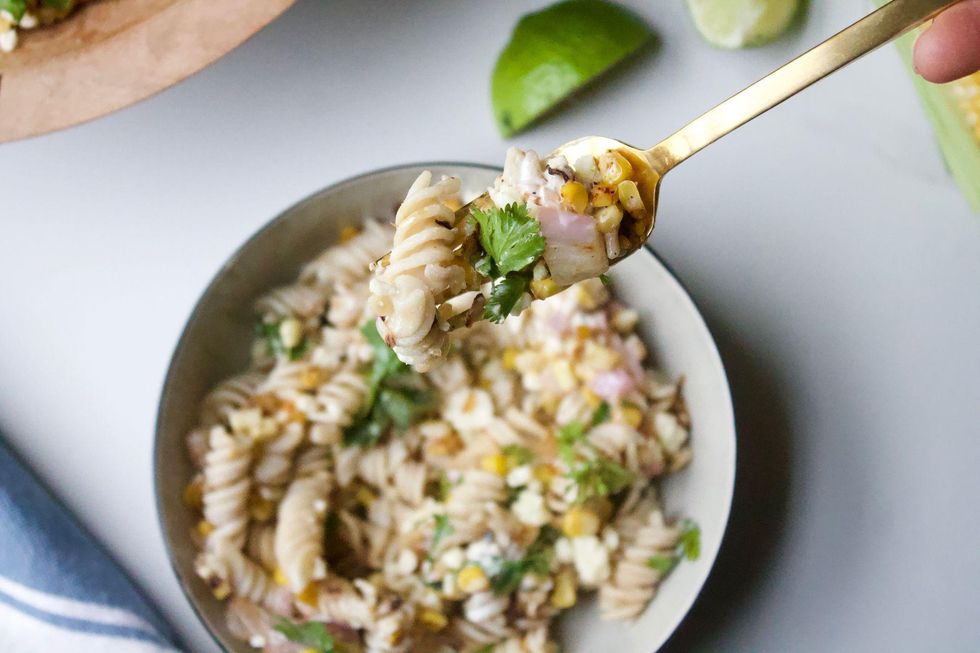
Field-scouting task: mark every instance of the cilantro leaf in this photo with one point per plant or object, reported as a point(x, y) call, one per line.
point(662, 563)
point(405, 406)
point(599, 477)
point(520, 455)
point(568, 436)
point(385, 361)
point(313, 634)
point(16, 8)
point(604, 278)
point(537, 560)
point(509, 236)
point(601, 414)
point(690, 542)
point(443, 529)
point(504, 296)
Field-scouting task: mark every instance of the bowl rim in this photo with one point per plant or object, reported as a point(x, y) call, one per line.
point(281, 215)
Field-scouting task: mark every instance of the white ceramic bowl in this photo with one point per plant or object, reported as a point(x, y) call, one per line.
point(215, 344)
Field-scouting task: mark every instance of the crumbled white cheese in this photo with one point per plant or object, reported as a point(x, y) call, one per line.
point(8, 40)
point(520, 476)
point(672, 434)
point(591, 560)
point(291, 332)
point(453, 558)
point(407, 562)
point(530, 508)
point(610, 538)
point(484, 552)
point(563, 550)
point(28, 20)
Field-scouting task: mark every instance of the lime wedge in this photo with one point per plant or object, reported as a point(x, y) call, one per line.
point(734, 24)
point(555, 51)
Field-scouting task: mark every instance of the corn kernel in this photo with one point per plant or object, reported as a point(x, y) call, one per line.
point(194, 493)
point(204, 527)
point(579, 521)
point(608, 219)
point(545, 473)
point(495, 464)
point(309, 650)
point(509, 359)
point(472, 579)
point(592, 399)
point(632, 416)
point(582, 332)
point(444, 446)
point(574, 196)
point(280, 578)
point(434, 621)
point(566, 589)
point(600, 358)
point(221, 590)
point(365, 496)
point(311, 378)
point(544, 288)
point(261, 509)
point(348, 233)
point(629, 197)
point(602, 195)
point(309, 595)
point(614, 168)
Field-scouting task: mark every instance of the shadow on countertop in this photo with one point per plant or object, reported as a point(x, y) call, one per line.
point(760, 506)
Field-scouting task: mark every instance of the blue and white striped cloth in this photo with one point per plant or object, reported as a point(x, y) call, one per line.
point(59, 590)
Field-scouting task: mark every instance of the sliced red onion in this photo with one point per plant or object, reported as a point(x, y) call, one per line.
point(574, 248)
point(613, 385)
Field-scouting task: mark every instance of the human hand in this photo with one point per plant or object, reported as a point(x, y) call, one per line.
point(950, 48)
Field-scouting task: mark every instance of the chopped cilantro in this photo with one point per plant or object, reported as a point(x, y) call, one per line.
point(662, 563)
point(312, 634)
point(16, 8)
point(568, 436)
point(601, 414)
point(510, 237)
point(485, 649)
point(604, 278)
point(504, 296)
point(537, 560)
point(690, 542)
point(599, 477)
point(395, 397)
point(443, 529)
point(520, 455)
point(269, 331)
point(688, 546)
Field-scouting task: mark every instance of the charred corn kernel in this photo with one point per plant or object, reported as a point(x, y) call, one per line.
point(309, 595)
point(280, 578)
point(579, 521)
point(194, 493)
point(632, 416)
point(566, 589)
point(347, 233)
point(495, 464)
point(290, 332)
point(574, 196)
point(545, 473)
point(592, 399)
point(608, 218)
point(544, 288)
point(472, 579)
point(509, 359)
point(444, 446)
point(629, 197)
point(311, 378)
point(204, 527)
point(434, 621)
point(614, 168)
point(582, 332)
point(261, 509)
point(365, 496)
point(221, 590)
point(602, 195)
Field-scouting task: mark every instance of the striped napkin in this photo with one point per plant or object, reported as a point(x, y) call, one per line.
point(59, 590)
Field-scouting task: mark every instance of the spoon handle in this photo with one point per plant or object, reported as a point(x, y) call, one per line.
point(887, 23)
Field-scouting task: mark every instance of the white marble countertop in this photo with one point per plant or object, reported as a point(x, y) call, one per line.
point(837, 265)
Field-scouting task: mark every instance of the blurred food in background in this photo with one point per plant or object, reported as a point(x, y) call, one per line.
point(732, 24)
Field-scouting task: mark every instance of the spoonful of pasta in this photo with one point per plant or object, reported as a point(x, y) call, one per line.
point(548, 223)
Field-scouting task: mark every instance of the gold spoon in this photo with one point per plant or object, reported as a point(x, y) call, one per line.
point(649, 166)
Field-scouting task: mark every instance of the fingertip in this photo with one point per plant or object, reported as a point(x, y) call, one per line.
point(950, 47)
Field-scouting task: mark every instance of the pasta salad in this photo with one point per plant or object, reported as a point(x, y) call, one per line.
point(348, 503)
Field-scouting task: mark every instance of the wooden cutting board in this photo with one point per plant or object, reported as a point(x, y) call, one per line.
point(113, 53)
